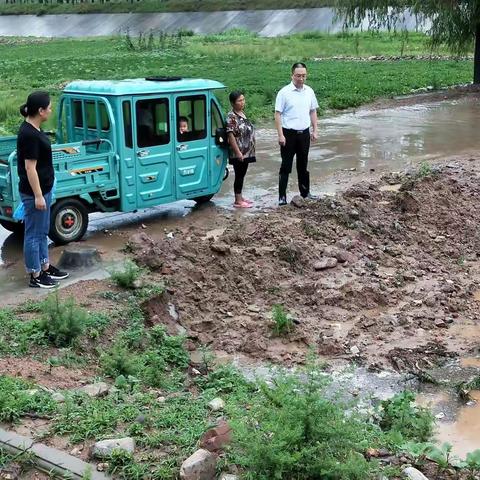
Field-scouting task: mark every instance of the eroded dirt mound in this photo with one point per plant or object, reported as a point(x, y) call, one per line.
point(383, 265)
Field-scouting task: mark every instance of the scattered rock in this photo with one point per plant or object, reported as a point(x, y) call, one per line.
point(414, 474)
point(354, 350)
point(58, 397)
point(220, 247)
point(325, 263)
point(199, 466)
point(161, 399)
point(99, 389)
point(216, 438)
point(298, 201)
point(216, 404)
point(104, 448)
point(102, 467)
point(228, 476)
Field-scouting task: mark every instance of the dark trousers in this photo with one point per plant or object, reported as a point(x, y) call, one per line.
point(240, 169)
point(296, 144)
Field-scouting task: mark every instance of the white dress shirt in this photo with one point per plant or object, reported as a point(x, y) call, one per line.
point(295, 105)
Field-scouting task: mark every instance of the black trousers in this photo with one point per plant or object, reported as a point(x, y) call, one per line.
point(240, 169)
point(297, 143)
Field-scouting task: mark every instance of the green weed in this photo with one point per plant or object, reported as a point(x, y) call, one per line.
point(126, 276)
point(425, 170)
point(283, 324)
point(400, 414)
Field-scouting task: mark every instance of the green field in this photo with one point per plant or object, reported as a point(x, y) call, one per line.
point(259, 66)
point(143, 6)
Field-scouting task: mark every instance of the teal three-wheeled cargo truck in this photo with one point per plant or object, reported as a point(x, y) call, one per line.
point(119, 147)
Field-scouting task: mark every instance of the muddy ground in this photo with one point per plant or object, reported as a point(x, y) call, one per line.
point(388, 266)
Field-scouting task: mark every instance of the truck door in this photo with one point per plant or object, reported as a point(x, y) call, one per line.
point(192, 172)
point(153, 151)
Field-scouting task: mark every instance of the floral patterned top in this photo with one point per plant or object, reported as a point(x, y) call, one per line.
point(244, 133)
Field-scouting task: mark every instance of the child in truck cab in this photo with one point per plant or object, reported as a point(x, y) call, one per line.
point(36, 175)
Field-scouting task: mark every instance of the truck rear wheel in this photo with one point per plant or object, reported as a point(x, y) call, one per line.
point(16, 227)
point(204, 198)
point(68, 222)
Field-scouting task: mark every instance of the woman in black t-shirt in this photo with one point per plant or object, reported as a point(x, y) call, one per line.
point(36, 174)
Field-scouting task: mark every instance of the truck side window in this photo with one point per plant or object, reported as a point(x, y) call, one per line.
point(127, 123)
point(216, 117)
point(91, 116)
point(152, 122)
point(77, 113)
point(191, 118)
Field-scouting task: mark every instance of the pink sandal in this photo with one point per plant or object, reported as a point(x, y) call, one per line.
point(242, 205)
point(248, 201)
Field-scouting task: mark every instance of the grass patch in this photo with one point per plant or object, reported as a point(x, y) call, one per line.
point(17, 336)
point(230, 58)
point(126, 276)
point(18, 398)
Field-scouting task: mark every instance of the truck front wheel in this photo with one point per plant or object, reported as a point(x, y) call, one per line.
point(16, 227)
point(68, 222)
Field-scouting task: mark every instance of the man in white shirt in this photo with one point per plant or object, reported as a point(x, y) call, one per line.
point(295, 111)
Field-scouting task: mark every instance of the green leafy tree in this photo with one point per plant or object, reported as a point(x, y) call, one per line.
point(454, 23)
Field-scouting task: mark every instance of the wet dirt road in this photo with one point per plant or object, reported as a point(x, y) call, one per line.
point(357, 142)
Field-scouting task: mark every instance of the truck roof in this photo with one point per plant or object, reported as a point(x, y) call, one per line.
point(138, 86)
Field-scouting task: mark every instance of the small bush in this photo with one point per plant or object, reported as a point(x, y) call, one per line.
point(400, 414)
point(62, 322)
point(294, 431)
point(119, 360)
point(283, 324)
point(425, 170)
point(126, 277)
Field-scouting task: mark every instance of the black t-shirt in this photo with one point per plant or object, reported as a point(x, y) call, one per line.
point(33, 144)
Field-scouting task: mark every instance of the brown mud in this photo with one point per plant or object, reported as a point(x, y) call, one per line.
point(372, 274)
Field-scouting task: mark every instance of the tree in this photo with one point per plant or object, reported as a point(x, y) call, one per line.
point(454, 23)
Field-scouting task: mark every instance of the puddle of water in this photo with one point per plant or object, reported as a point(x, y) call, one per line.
point(464, 433)
point(470, 362)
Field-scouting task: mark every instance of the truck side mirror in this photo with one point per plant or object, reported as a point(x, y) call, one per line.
point(221, 137)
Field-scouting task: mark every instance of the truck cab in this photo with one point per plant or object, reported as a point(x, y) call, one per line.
point(126, 145)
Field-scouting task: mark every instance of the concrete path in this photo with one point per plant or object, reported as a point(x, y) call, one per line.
point(49, 459)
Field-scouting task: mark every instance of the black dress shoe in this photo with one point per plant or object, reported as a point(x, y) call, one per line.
point(282, 201)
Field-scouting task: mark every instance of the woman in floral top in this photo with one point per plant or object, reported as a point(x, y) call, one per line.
point(241, 138)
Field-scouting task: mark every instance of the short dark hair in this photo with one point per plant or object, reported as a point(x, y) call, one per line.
point(298, 65)
point(35, 101)
point(234, 96)
point(183, 119)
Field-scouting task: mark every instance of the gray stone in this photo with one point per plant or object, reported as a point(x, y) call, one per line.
point(228, 476)
point(104, 448)
point(199, 466)
point(220, 247)
point(414, 474)
point(298, 201)
point(453, 375)
point(94, 390)
point(216, 404)
point(58, 397)
point(325, 263)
